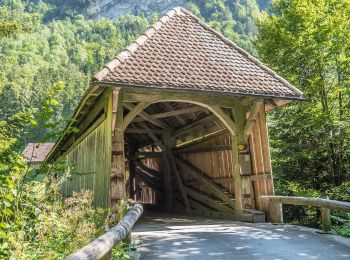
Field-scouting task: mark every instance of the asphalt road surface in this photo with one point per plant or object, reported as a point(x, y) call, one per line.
point(165, 236)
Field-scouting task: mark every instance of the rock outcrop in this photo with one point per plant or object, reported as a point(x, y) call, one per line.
point(114, 8)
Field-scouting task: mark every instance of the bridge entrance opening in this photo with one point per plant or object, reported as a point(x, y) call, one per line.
point(179, 159)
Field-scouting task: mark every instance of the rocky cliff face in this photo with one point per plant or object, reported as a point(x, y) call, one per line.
point(114, 8)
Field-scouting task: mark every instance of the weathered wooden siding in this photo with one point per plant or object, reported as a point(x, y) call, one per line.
point(261, 161)
point(91, 162)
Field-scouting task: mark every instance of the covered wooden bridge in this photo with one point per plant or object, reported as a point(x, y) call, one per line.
point(178, 120)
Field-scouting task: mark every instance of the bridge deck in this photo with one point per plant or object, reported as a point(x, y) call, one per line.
point(169, 236)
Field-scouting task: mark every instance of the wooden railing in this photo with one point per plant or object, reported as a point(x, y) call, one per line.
point(325, 205)
point(102, 246)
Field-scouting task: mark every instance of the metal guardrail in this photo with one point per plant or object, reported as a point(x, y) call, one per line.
point(325, 205)
point(103, 245)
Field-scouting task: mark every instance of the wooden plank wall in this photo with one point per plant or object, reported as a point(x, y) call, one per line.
point(218, 166)
point(261, 161)
point(91, 162)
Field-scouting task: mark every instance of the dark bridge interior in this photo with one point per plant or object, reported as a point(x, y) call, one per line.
point(179, 160)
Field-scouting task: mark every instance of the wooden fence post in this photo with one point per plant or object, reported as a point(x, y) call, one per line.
point(275, 212)
point(326, 219)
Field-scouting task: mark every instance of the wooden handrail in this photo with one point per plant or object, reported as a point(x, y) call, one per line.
point(325, 205)
point(103, 245)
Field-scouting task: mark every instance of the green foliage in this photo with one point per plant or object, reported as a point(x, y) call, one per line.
point(14, 21)
point(308, 43)
point(71, 50)
point(121, 251)
point(36, 221)
point(12, 169)
point(340, 192)
point(49, 227)
point(343, 230)
point(61, 51)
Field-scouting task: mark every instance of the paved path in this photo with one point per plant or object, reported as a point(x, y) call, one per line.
point(173, 237)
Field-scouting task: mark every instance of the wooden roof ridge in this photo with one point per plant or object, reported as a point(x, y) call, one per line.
point(131, 48)
point(129, 51)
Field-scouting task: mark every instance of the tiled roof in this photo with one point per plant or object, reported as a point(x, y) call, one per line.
point(181, 52)
point(36, 152)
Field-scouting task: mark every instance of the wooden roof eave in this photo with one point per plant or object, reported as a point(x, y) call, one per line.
point(135, 93)
point(93, 90)
point(179, 94)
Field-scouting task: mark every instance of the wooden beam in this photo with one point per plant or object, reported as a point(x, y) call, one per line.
point(204, 149)
point(134, 112)
point(174, 113)
point(212, 187)
point(178, 117)
point(207, 200)
point(147, 117)
point(143, 131)
point(148, 154)
point(253, 115)
point(225, 119)
point(201, 139)
point(114, 106)
point(152, 135)
point(149, 181)
point(190, 127)
point(248, 100)
point(138, 95)
point(153, 173)
point(199, 206)
point(179, 181)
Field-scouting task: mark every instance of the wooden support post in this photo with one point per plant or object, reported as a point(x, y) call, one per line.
point(117, 179)
point(326, 219)
point(238, 143)
point(236, 174)
point(132, 171)
point(166, 173)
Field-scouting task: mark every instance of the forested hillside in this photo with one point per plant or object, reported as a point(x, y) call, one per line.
point(59, 44)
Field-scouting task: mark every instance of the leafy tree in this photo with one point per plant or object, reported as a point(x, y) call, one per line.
point(308, 43)
point(68, 51)
point(14, 21)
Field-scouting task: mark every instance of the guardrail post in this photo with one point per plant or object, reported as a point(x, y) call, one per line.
point(275, 212)
point(326, 219)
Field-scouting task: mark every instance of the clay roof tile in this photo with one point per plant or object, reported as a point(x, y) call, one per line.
point(181, 52)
